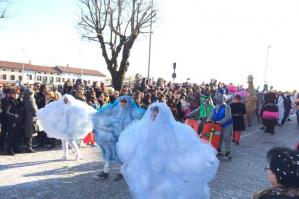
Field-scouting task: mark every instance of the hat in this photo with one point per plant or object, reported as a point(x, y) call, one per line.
point(284, 163)
point(221, 90)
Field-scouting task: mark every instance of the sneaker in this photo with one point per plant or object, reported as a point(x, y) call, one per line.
point(64, 158)
point(227, 154)
point(79, 157)
point(103, 175)
point(262, 128)
point(118, 177)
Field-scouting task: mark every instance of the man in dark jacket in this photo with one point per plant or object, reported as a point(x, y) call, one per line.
point(4, 119)
point(30, 118)
point(287, 108)
point(14, 120)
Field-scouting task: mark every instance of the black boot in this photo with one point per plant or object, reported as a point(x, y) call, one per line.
point(17, 150)
point(10, 152)
point(30, 150)
point(103, 175)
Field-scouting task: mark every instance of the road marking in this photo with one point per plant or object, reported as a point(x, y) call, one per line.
point(257, 130)
point(250, 133)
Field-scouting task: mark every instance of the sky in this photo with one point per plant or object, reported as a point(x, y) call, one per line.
point(222, 39)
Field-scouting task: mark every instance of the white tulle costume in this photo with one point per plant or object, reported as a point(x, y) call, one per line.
point(67, 119)
point(163, 159)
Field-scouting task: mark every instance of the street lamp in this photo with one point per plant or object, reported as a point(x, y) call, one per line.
point(150, 42)
point(23, 65)
point(267, 63)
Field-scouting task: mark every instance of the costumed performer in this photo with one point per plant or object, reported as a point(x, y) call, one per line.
point(222, 115)
point(67, 119)
point(250, 101)
point(109, 122)
point(164, 159)
point(270, 113)
point(202, 112)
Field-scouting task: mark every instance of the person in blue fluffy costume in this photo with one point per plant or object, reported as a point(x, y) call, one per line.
point(164, 159)
point(109, 122)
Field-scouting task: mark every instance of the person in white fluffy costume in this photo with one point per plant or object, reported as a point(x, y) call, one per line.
point(67, 119)
point(164, 159)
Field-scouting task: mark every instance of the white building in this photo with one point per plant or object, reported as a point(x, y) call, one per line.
point(28, 73)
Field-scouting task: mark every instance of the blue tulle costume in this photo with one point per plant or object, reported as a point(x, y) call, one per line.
point(110, 121)
point(164, 159)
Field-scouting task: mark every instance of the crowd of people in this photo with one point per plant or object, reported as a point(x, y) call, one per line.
point(20, 103)
point(27, 118)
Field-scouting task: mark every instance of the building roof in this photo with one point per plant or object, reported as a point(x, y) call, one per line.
point(19, 66)
point(67, 69)
point(47, 69)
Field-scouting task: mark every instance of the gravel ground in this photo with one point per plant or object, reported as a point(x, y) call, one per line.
point(43, 176)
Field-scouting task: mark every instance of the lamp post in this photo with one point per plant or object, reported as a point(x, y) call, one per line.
point(23, 65)
point(150, 42)
point(267, 63)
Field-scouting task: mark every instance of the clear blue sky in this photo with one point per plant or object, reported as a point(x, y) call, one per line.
point(224, 39)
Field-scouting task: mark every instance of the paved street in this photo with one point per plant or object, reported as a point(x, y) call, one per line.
point(42, 175)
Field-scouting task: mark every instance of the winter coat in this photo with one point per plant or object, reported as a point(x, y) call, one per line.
point(30, 116)
point(277, 193)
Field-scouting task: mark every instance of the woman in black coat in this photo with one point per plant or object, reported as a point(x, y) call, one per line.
point(238, 111)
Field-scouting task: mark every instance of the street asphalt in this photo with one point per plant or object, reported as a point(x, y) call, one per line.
point(43, 176)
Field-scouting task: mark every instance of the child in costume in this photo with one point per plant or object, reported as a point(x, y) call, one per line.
point(238, 111)
point(163, 158)
point(221, 115)
point(67, 119)
point(109, 122)
point(202, 112)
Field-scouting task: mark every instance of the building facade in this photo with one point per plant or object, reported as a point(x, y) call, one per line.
point(28, 73)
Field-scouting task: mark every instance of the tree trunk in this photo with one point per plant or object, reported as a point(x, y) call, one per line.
point(117, 80)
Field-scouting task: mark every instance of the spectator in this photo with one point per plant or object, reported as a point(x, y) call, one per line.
point(4, 119)
point(14, 121)
point(283, 174)
point(30, 118)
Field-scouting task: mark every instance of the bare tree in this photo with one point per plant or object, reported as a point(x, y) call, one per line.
point(116, 24)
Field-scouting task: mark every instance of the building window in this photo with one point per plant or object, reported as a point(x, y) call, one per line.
point(20, 78)
point(12, 77)
point(63, 80)
point(51, 80)
point(12, 70)
point(4, 69)
point(29, 77)
point(20, 71)
point(74, 81)
point(45, 78)
point(57, 79)
point(45, 73)
point(88, 81)
point(38, 78)
point(4, 77)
